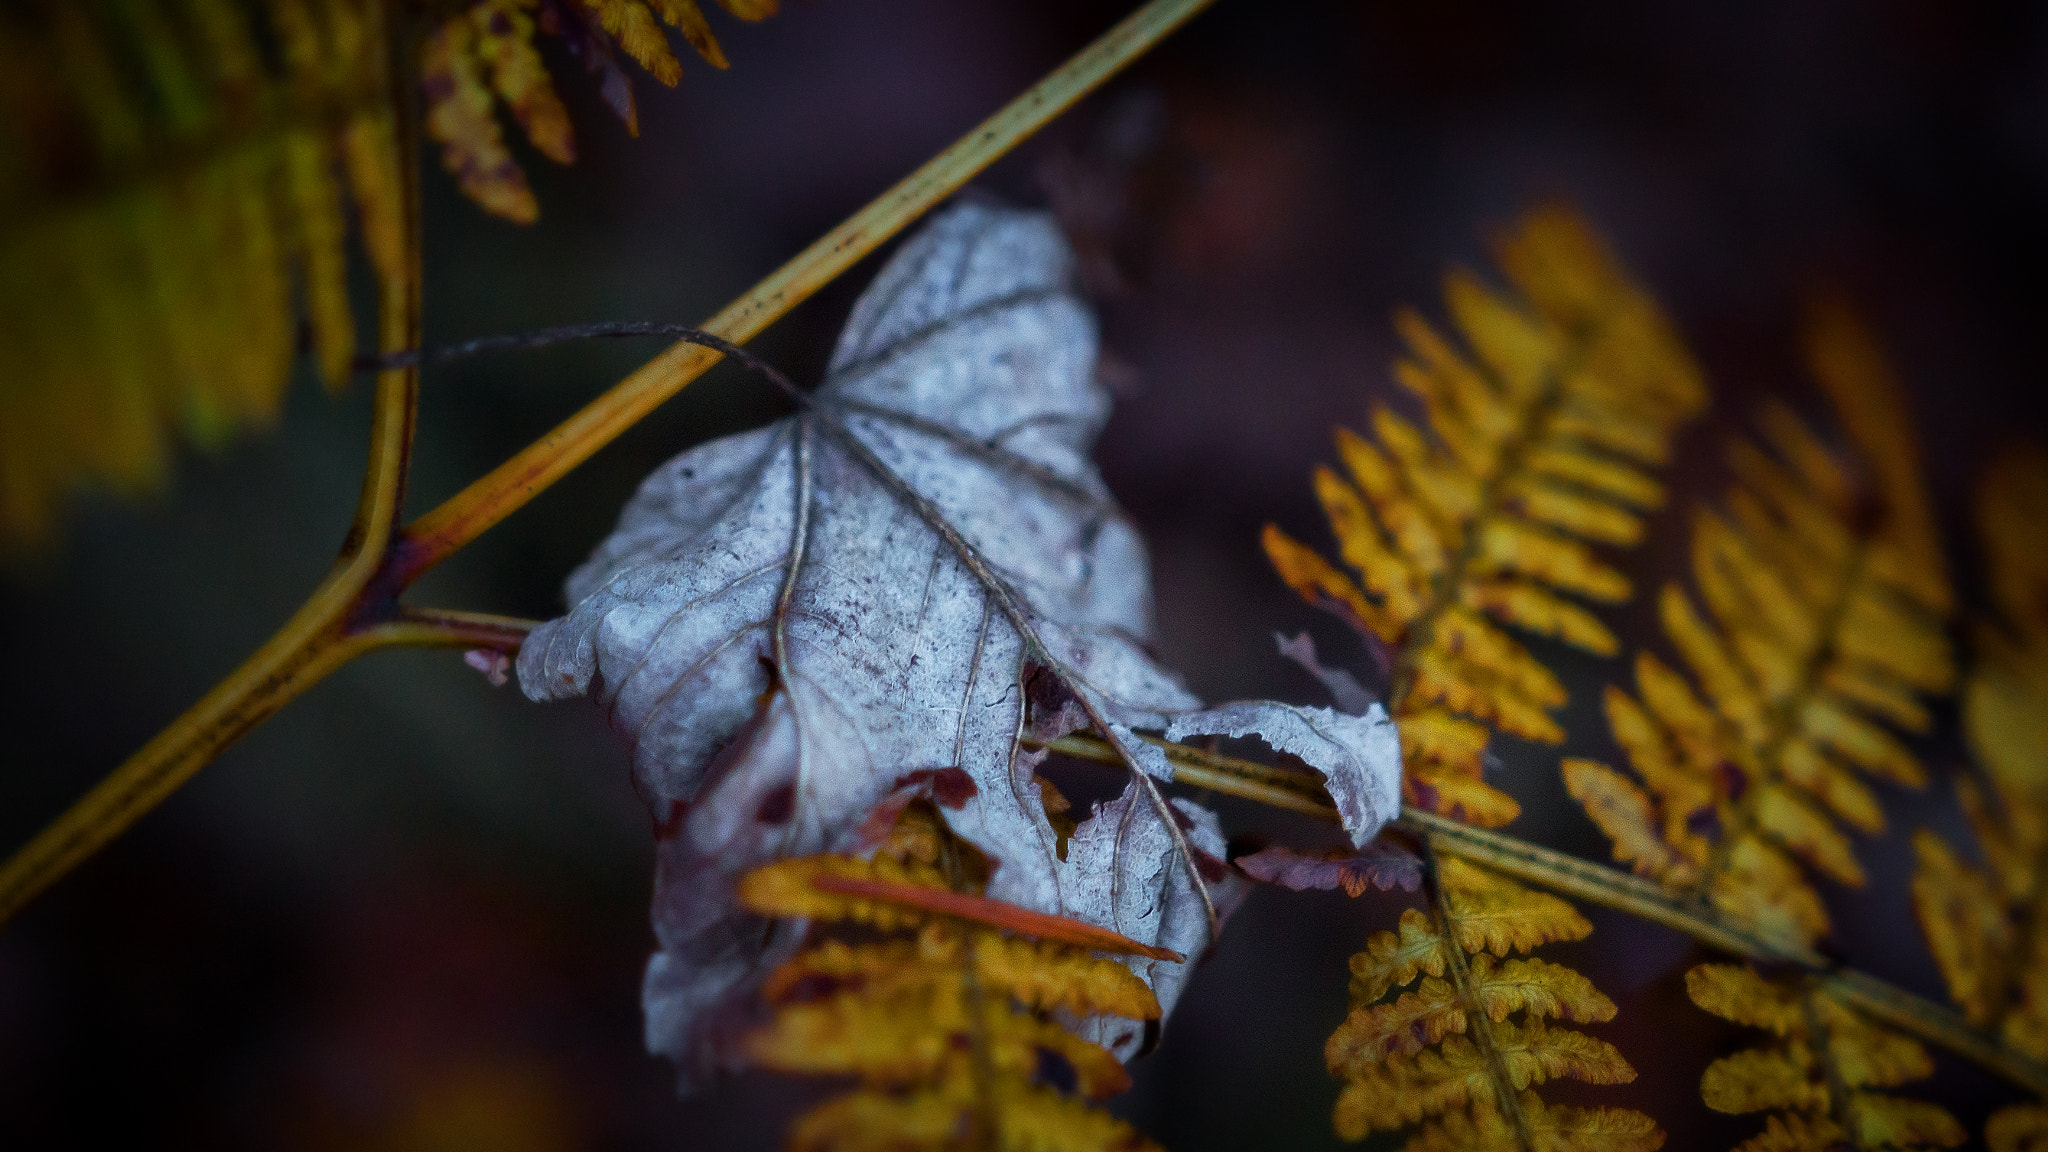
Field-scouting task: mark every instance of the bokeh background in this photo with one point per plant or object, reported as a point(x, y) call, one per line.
point(410, 912)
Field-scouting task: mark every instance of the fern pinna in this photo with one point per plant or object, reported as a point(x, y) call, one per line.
point(1448, 1051)
point(1538, 447)
point(1817, 1080)
point(951, 1027)
point(1987, 925)
point(179, 178)
point(1824, 606)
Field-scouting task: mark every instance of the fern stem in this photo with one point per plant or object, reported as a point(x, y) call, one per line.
point(1607, 887)
point(1505, 1099)
point(439, 533)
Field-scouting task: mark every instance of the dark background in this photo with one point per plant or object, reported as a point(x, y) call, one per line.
point(410, 911)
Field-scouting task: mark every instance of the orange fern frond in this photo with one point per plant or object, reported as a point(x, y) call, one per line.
point(484, 54)
point(1817, 1079)
point(1541, 429)
point(1463, 1049)
point(1987, 925)
point(950, 1026)
point(1815, 627)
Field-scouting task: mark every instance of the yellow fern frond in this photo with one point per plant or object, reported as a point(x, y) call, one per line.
point(1543, 413)
point(177, 188)
point(1813, 623)
point(1462, 1048)
point(173, 198)
point(1815, 1079)
point(949, 1032)
point(1987, 924)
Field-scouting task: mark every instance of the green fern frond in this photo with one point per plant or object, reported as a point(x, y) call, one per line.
point(1462, 1051)
point(1542, 428)
point(946, 1023)
point(1815, 627)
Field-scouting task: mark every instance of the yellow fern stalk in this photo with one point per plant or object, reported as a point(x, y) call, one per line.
point(947, 1023)
point(1543, 418)
point(1817, 1080)
point(1816, 626)
point(1465, 1047)
point(1987, 925)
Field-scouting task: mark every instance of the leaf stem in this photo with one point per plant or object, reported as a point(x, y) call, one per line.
point(1608, 887)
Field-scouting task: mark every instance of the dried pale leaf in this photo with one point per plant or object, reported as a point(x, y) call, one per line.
point(1359, 757)
point(784, 636)
point(1380, 864)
